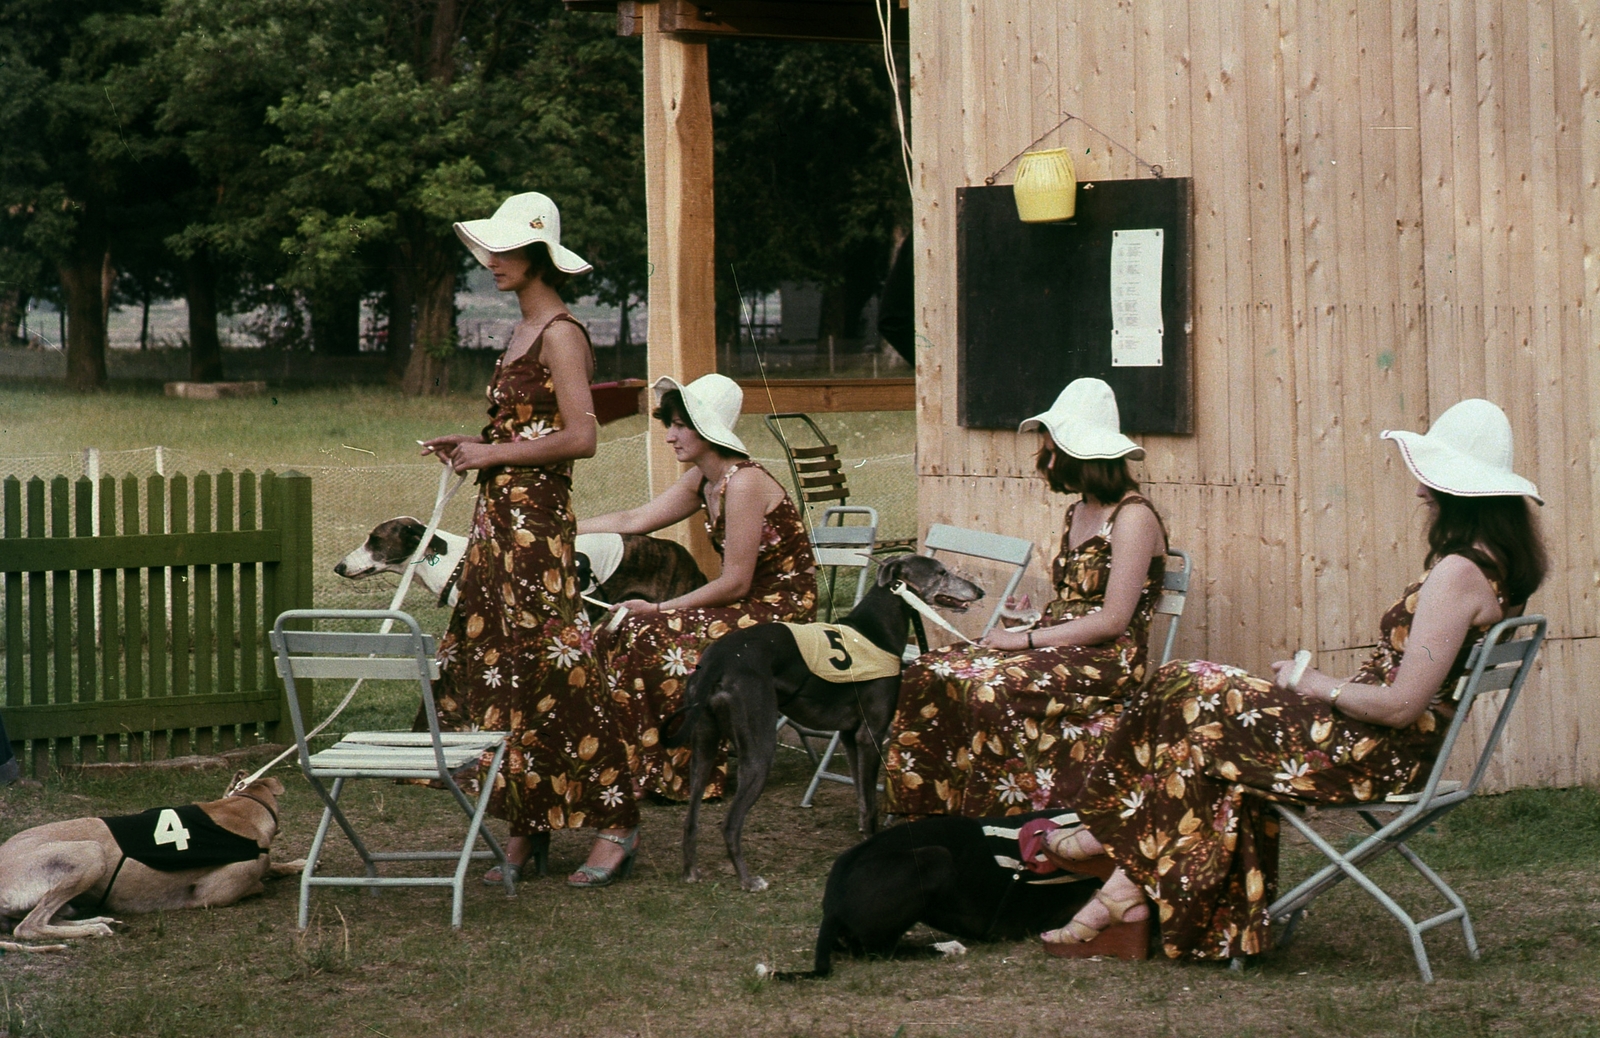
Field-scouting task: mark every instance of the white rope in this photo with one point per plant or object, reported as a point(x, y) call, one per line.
point(910, 598)
point(442, 498)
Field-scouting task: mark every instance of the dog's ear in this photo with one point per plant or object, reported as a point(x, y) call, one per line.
point(437, 546)
point(274, 785)
point(889, 567)
point(233, 783)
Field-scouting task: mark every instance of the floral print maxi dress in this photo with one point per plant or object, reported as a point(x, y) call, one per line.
point(648, 658)
point(1178, 797)
point(983, 732)
point(519, 654)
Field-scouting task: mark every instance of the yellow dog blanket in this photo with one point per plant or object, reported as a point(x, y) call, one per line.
point(838, 653)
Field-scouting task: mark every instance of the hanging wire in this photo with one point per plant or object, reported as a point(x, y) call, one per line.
point(1154, 169)
point(884, 10)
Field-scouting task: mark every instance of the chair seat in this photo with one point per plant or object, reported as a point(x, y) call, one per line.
point(397, 754)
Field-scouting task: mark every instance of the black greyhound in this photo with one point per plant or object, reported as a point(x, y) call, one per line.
point(750, 677)
point(958, 875)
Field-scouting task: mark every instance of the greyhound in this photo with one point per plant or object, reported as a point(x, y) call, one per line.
point(963, 876)
point(203, 856)
point(622, 565)
point(750, 676)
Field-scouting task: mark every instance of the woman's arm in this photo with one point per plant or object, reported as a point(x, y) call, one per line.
point(1455, 598)
point(675, 504)
point(1136, 538)
point(751, 493)
point(565, 352)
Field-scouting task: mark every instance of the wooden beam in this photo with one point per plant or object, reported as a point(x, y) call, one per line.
point(836, 21)
point(829, 395)
point(681, 218)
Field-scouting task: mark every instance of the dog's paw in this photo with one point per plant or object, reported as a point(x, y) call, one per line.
point(286, 868)
point(692, 876)
point(755, 885)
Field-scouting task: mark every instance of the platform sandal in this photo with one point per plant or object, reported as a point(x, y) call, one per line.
point(1122, 938)
point(539, 855)
point(599, 875)
point(1064, 847)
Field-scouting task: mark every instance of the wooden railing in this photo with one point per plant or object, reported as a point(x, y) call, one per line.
point(130, 640)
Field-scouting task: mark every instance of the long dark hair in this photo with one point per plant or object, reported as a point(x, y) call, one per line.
point(672, 407)
point(1498, 533)
point(542, 266)
point(1105, 480)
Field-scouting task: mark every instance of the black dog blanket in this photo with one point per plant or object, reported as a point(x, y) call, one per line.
point(172, 839)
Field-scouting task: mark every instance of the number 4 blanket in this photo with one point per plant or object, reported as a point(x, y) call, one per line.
point(839, 653)
point(171, 839)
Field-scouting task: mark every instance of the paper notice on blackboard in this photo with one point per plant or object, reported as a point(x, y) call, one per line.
point(1136, 298)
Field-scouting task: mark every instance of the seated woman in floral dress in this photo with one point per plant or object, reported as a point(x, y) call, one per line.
point(1177, 798)
point(1011, 725)
point(768, 573)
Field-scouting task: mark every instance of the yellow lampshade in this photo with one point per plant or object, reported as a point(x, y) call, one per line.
point(1046, 187)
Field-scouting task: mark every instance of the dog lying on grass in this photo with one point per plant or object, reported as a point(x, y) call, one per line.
point(962, 876)
point(611, 566)
point(749, 677)
point(201, 856)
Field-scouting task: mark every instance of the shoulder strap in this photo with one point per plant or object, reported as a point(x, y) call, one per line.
point(1136, 499)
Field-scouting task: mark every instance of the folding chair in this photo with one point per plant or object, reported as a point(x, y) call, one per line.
point(1497, 662)
point(432, 754)
point(1174, 592)
point(835, 547)
point(996, 547)
point(818, 472)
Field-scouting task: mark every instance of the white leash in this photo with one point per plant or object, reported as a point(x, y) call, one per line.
point(442, 498)
point(910, 598)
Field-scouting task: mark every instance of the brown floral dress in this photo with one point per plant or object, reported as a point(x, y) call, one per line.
point(648, 658)
point(519, 654)
point(983, 732)
point(1179, 796)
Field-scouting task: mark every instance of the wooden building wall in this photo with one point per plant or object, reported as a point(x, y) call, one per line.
point(1397, 205)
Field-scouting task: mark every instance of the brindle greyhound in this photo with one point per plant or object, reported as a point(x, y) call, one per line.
point(751, 676)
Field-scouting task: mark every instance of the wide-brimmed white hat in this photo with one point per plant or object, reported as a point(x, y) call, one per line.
point(1084, 423)
point(1466, 452)
point(713, 402)
point(521, 220)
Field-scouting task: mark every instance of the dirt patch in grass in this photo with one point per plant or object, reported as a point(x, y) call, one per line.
point(654, 957)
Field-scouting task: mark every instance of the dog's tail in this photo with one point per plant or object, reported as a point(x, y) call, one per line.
point(702, 677)
point(827, 940)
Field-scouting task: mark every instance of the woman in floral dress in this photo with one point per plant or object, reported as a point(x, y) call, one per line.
point(768, 574)
point(1177, 800)
point(1012, 725)
point(519, 654)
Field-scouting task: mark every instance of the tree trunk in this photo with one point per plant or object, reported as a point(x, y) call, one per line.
point(108, 280)
point(200, 291)
point(11, 303)
point(336, 321)
point(144, 321)
point(435, 272)
point(401, 333)
point(80, 272)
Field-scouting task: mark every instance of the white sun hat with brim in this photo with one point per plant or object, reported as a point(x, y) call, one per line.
point(713, 402)
point(520, 221)
point(1084, 423)
point(1467, 452)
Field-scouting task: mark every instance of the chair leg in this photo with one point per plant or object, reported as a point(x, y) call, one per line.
point(458, 888)
point(314, 856)
point(1448, 893)
point(822, 766)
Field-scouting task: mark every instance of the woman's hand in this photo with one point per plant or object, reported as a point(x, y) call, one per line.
point(1004, 640)
point(474, 454)
point(444, 447)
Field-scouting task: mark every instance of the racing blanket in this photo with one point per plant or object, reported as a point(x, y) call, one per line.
point(839, 653)
point(171, 839)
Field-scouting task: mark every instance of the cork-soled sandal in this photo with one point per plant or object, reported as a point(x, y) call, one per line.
point(1123, 938)
point(1065, 848)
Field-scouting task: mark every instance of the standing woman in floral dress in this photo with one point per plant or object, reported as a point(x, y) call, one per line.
point(1177, 801)
point(768, 573)
point(519, 655)
point(1012, 725)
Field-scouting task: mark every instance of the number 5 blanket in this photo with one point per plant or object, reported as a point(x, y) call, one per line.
point(839, 653)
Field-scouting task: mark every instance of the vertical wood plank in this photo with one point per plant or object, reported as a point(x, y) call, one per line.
point(156, 609)
point(37, 761)
point(204, 640)
point(85, 617)
point(249, 630)
point(182, 744)
point(61, 615)
point(110, 630)
point(227, 605)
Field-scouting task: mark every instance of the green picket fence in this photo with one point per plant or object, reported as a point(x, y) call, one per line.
point(136, 629)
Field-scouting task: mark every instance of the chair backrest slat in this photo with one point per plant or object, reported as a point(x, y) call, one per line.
point(376, 668)
point(1485, 677)
point(365, 643)
point(1174, 595)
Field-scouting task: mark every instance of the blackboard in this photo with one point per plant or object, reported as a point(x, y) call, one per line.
point(1035, 304)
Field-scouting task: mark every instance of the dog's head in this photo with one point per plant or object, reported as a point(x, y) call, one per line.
point(266, 787)
point(931, 581)
point(388, 547)
point(586, 582)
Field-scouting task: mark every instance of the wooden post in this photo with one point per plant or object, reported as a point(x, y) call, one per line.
point(290, 499)
point(681, 215)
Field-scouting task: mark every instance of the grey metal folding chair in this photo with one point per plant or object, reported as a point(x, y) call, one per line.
point(1016, 552)
point(837, 547)
point(407, 656)
point(1174, 592)
point(1498, 662)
